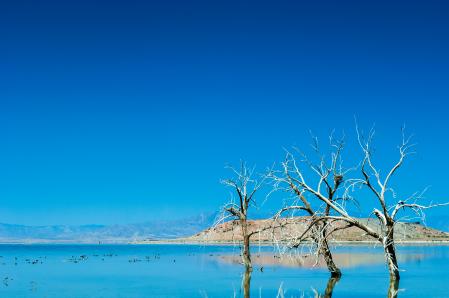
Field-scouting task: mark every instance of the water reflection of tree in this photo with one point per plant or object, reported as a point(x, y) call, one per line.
point(328, 291)
point(393, 288)
point(330, 287)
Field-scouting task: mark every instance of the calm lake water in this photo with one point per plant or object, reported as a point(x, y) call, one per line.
point(208, 271)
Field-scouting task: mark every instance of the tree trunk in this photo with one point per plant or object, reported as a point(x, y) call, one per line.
point(331, 266)
point(390, 253)
point(246, 283)
point(246, 255)
point(325, 251)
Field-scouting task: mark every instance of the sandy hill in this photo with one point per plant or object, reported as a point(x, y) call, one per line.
point(230, 231)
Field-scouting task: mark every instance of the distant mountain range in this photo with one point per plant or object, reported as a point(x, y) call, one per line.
point(157, 229)
point(161, 229)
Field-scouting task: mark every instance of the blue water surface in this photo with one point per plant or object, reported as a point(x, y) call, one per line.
point(208, 271)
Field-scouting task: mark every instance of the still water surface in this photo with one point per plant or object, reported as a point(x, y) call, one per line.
point(209, 271)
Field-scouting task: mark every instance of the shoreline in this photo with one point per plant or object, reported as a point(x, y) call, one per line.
point(230, 243)
point(224, 243)
point(187, 242)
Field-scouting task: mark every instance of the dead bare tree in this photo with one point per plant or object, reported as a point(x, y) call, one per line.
point(387, 215)
point(330, 173)
point(245, 186)
point(371, 178)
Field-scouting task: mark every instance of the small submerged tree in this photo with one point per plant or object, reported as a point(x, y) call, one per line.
point(330, 178)
point(245, 187)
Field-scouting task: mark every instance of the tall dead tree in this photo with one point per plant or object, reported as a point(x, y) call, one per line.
point(371, 179)
point(387, 214)
point(245, 187)
point(330, 173)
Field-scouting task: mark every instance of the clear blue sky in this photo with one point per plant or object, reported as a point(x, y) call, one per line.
point(115, 112)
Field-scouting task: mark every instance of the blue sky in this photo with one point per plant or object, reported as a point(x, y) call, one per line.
point(116, 112)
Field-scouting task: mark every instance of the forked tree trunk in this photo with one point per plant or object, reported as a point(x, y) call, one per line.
point(246, 254)
point(390, 253)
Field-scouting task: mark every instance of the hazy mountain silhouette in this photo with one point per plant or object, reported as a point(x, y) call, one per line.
point(158, 229)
